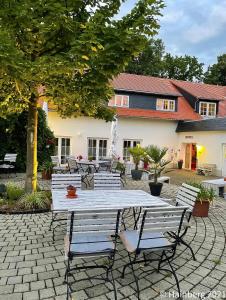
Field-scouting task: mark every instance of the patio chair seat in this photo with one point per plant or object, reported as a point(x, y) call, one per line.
point(89, 244)
point(149, 240)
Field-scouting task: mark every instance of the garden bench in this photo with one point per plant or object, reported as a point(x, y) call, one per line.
point(8, 164)
point(206, 169)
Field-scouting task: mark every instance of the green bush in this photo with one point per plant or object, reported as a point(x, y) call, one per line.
point(13, 192)
point(13, 138)
point(36, 200)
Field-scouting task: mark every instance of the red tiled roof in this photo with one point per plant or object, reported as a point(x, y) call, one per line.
point(185, 112)
point(201, 90)
point(144, 84)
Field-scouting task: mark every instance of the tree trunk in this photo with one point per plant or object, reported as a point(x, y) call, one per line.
point(32, 166)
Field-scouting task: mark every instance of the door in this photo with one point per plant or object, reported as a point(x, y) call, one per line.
point(224, 161)
point(187, 163)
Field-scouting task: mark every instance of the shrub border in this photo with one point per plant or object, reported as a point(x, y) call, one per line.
point(25, 212)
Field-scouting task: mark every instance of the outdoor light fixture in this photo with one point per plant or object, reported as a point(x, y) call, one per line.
point(200, 149)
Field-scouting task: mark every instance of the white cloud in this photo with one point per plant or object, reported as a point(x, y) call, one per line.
point(172, 16)
point(211, 27)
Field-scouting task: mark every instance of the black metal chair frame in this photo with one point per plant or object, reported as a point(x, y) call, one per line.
point(163, 258)
point(107, 267)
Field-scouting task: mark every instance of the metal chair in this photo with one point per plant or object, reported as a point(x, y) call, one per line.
point(57, 168)
point(60, 182)
point(151, 236)
point(9, 162)
point(92, 234)
point(186, 196)
point(107, 181)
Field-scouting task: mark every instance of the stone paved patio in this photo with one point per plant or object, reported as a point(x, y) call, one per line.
point(32, 267)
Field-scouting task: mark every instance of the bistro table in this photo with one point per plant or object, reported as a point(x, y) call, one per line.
point(217, 185)
point(104, 199)
point(86, 164)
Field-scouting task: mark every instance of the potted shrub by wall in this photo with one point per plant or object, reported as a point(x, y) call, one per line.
point(137, 154)
point(205, 197)
point(157, 165)
point(180, 163)
point(47, 169)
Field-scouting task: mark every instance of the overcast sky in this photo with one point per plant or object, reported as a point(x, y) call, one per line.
point(194, 27)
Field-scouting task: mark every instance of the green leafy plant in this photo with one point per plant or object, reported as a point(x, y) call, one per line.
point(47, 166)
point(36, 200)
point(13, 191)
point(155, 156)
point(120, 167)
point(137, 154)
point(205, 194)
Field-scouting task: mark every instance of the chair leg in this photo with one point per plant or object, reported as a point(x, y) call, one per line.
point(189, 247)
point(159, 264)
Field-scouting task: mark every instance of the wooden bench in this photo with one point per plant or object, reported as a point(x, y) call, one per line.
point(206, 169)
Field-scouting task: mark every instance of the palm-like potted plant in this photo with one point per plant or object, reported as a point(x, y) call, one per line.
point(157, 163)
point(137, 154)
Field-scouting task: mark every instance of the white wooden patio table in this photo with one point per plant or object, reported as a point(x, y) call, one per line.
point(104, 199)
point(217, 185)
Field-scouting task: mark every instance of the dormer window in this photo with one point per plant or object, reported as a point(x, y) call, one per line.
point(119, 101)
point(165, 105)
point(207, 109)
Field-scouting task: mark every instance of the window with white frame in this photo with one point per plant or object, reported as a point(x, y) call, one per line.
point(62, 148)
point(119, 101)
point(165, 104)
point(126, 145)
point(97, 148)
point(207, 109)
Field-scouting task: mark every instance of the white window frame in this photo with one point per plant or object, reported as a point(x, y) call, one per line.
point(168, 103)
point(98, 139)
point(59, 147)
point(114, 100)
point(127, 157)
point(207, 109)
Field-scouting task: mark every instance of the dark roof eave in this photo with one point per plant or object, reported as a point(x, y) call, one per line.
point(148, 92)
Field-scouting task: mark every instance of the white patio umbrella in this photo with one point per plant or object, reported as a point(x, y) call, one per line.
point(114, 137)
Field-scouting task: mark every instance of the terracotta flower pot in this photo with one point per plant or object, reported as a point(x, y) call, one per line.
point(201, 209)
point(71, 193)
point(46, 175)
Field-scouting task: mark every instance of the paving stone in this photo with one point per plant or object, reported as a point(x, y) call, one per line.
point(14, 280)
point(47, 293)
point(24, 287)
point(34, 295)
point(37, 285)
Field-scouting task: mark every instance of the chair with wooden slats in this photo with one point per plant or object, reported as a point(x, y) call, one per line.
point(152, 236)
point(91, 234)
point(186, 195)
point(57, 168)
point(107, 181)
point(61, 182)
point(9, 162)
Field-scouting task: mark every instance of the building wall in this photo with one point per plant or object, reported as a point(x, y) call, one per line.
point(212, 147)
point(158, 132)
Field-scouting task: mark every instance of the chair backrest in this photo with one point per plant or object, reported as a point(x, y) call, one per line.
point(72, 164)
point(55, 160)
point(187, 195)
point(109, 181)
point(161, 220)
point(61, 181)
point(10, 157)
point(94, 222)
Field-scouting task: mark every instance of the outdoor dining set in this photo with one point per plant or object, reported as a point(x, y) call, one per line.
point(97, 220)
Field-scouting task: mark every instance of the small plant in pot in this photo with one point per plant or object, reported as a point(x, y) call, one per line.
point(204, 199)
point(137, 154)
point(180, 163)
point(157, 165)
point(47, 169)
point(71, 191)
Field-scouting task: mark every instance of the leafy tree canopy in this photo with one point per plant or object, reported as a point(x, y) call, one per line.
point(154, 61)
point(216, 74)
point(72, 47)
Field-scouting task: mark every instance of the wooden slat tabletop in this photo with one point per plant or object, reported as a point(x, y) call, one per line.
point(104, 199)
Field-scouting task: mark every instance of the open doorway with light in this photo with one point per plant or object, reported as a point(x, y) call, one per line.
point(190, 162)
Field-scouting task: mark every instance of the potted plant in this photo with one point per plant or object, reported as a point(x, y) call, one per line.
point(137, 154)
point(205, 197)
point(155, 156)
point(145, 161)
point(71, 191)
point(47, 169)
point(180, 163)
